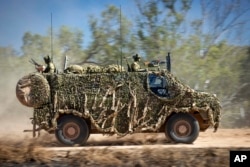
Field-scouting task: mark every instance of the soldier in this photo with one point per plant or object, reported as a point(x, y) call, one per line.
point(135, 65)
point(50, 68)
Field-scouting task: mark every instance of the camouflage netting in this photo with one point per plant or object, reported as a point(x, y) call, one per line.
point(121, 103)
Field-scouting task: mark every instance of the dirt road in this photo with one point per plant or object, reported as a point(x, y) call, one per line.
point(210, 149)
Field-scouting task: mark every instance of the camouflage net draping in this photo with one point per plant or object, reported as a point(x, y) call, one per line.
point(121, 103)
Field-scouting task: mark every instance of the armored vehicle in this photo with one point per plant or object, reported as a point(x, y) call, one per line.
point(73, 105)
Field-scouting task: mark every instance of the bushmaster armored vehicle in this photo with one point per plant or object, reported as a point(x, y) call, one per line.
point(73, 105)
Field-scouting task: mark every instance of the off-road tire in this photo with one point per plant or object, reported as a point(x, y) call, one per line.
point(72, 130)
point(182, 128)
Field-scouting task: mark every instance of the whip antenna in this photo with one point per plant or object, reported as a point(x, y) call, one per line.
point(121, 35)
point(51, 37)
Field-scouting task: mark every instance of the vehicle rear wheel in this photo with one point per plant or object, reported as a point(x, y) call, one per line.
point(182, 128)
point(72, 130)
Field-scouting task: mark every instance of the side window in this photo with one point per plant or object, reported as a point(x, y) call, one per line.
point(158, 85)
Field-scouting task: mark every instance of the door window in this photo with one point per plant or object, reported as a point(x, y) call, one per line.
point(158, 85)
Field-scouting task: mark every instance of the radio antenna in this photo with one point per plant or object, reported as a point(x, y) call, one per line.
point(121, 35)
point(51, 37)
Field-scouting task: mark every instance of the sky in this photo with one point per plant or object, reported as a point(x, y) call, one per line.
point(20, 16)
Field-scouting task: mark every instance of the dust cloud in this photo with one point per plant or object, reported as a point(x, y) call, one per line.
point(14, 117)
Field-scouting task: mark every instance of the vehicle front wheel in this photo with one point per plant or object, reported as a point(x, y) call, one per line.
point(182, 128)
point(72, 130)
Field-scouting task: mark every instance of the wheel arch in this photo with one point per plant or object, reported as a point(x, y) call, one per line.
point(203, 123)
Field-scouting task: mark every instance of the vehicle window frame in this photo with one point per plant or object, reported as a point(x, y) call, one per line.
point(157, 87)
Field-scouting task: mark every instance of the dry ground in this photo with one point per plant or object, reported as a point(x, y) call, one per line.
point(210, 149)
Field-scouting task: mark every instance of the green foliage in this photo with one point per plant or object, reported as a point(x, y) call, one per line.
point(158, 26)
point(109, 34)
point(70, 43)
point(242, 95)
point(69, 39)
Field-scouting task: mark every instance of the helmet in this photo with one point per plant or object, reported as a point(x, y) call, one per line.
point(136, 57)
